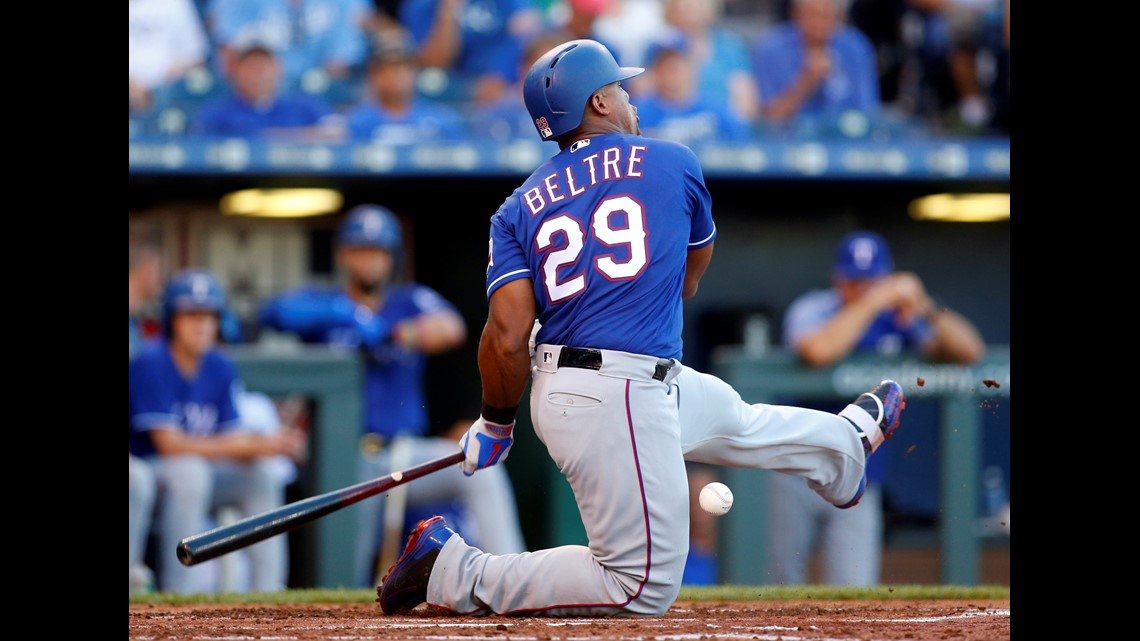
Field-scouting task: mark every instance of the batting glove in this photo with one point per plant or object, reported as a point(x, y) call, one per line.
point(485, 444)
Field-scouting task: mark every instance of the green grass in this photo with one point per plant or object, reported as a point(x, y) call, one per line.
point(711, 593)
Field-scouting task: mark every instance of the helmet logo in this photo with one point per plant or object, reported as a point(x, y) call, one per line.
point(199, 287)
point(372, 223)
point(543, 127)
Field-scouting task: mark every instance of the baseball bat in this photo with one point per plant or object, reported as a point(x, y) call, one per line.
point(222, 540)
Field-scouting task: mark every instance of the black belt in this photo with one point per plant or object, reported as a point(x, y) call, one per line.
point(592, 359)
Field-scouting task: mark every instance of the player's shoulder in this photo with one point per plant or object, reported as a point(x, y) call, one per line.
point(149, 355)
point(814, 302)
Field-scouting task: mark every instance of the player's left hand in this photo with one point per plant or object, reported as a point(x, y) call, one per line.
point(485, 444)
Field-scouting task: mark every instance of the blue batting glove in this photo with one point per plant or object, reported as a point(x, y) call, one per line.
point(485, 444)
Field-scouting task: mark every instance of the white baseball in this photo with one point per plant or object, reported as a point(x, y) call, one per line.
point(397, 476)
point(716, 499)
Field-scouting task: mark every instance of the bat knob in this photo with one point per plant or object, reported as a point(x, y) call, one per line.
point(184, 554)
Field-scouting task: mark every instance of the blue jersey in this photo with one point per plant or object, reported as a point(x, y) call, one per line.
point(161, 397)
point(229, 115)
point(394, 399)
point(585, 228)
point(852, 83)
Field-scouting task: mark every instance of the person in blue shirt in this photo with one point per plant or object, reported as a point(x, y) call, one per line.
point(475, 42)
point(506, 118)
point(183, 422)
point(674, 109)
point(328, 38)
point(721, 57)
point(393, 111)
point(394, 326)
point(814, 65)
point(869, 308)
point(257, 105)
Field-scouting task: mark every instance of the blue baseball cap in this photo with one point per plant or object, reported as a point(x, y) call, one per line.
point(670, 42)
point(863, 254)
point(371, 226)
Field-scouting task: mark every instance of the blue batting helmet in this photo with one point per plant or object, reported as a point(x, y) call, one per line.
point(371, 226)
point(191, 290)
point(561, 81)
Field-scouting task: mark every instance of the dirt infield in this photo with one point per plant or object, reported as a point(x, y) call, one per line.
point(973, 620)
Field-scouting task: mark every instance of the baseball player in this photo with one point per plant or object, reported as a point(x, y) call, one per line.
point(182, 422)
point(869, 308)
point(600, 245)
point(394, 326)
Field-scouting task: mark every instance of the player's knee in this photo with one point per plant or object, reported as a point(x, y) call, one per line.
point(656, 599)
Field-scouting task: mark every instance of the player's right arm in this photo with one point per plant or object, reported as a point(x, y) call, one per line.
point(702, 233)
point(695, 266)
point(504, 352)
point(504, 366)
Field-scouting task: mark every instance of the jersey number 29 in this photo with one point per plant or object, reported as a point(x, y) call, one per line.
point(631, 236)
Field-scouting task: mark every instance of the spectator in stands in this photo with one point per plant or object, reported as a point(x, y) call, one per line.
point(954, 33)
point(631, 26)
point(673, 108)
point(393, 111)
point(181, 421)
point(507, 118)
point(870, 308)
point(814, 66)
point(394, 326)
point(578, 20)
point(257, 106)
point(723, 63)
point(319, 41)
point(144, 284)
point(475, 42)
point(165, 40)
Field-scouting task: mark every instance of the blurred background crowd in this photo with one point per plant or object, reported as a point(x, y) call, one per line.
point(399, 71)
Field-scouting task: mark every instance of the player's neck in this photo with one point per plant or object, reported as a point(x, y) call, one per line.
point(186, 359)
point(600, 129)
